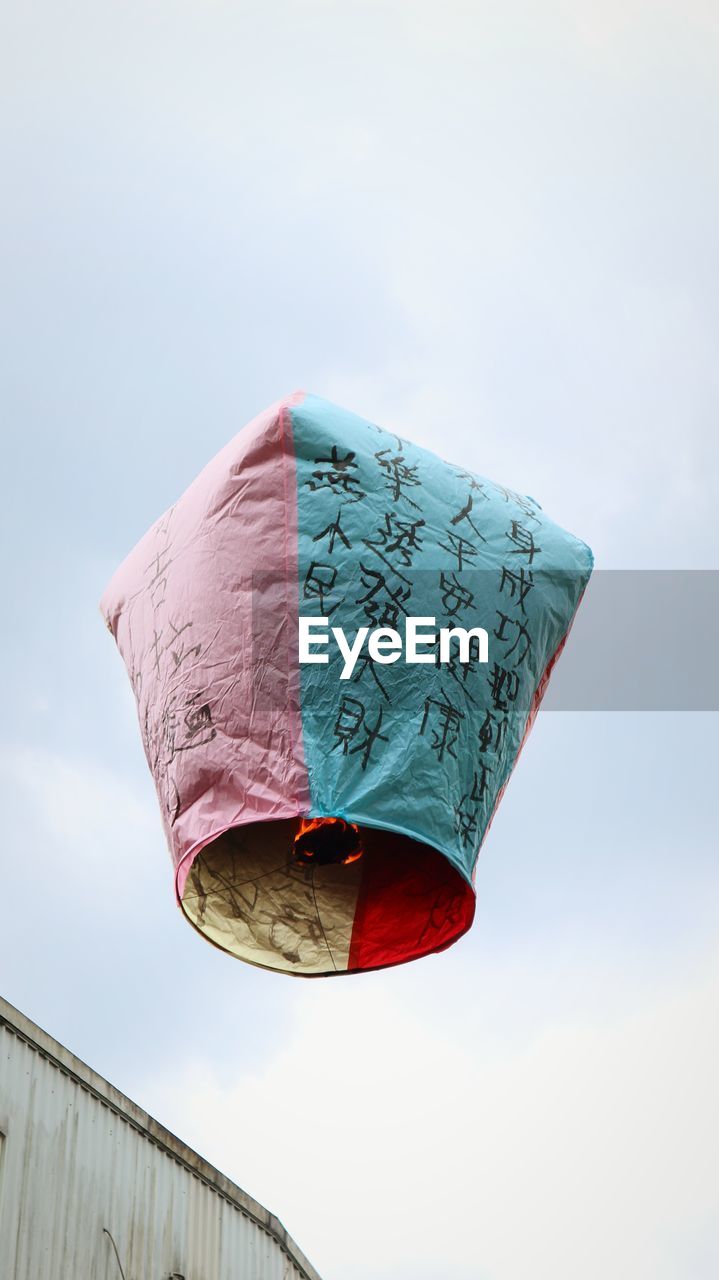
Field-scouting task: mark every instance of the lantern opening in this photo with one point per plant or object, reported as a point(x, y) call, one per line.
point(323, 841)
point(314, 896)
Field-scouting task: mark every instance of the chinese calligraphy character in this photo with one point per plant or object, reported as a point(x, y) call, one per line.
point(464, 551)
point(455, 596)
point(524, 542)
point(522, 636)
point(520, 584)
point(445, 732)
point(319, 581)
point(382, 603)
point(504, 684)
point(336, 474)
point(398, 475)
point(352, 723)
point(333, 532)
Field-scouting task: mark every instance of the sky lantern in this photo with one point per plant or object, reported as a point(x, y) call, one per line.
point(338, 644)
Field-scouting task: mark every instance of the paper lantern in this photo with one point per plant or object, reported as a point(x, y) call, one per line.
point(321, 824)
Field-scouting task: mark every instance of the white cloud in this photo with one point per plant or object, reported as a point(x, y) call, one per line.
point(80, 819)
point(585, 1149)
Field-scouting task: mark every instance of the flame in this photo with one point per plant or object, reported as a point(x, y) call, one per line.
point(311, 824)
point(347, 834)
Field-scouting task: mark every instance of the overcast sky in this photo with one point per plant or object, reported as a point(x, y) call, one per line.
point(492, 227)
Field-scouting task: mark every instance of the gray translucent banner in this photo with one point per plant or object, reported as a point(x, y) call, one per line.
point(642, 640)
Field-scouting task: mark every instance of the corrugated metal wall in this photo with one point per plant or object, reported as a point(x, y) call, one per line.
point(73, 1162)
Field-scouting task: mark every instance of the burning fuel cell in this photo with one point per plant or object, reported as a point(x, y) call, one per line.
point(321, 825)
point(320, 842)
